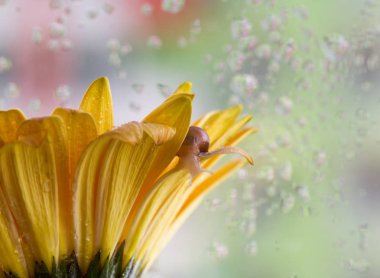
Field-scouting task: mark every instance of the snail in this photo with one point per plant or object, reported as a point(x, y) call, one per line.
point(195, 148)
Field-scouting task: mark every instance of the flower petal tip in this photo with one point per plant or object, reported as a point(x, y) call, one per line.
point(184, 88)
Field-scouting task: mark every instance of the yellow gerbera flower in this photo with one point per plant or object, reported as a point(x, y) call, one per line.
point(80, 197)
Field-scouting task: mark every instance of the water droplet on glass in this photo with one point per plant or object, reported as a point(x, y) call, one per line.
point(196, 27)
point(125, 49)
point(287, 202)
point(154, 42)
point(36, 35)
point(264, 51)
point(251, 248)
point(284, 105)
point(113, 45)
point(271, 191)
point(286, 171)
point(138, 87)
point(357, 265)
point(303, 193)
point(244, 84)
point(53, 45)
point(182, 42)
point(218, 250)
point(114, 59)
point(236, 60)
point(146, 9)
point(240, 28)
point(12, 90)
point(55, 4)
point(5, 64)
point(134, 106)
point(66, 44)
point(122, 74)
point(34, 105)
point(321, 158)
point(63, 94)
point(164, 90)
point(57, 30)
point(108, 8)
point(172, 6)
point(92, 13)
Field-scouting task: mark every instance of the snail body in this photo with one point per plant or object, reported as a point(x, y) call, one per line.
point(195, 148)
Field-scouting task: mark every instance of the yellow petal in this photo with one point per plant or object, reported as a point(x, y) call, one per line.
point(34, 181)
point(110, 176)
point(157, 213)
point(11, 253)
point(202, 120)
point(98, 102)
point(197, 191)
point(231, 131)
point(9, 122)
point(176, 113)
point(184, 88)
point(217, 124)
point(80, 130)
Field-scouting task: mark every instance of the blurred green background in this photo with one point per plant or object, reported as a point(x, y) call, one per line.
point(308, 72)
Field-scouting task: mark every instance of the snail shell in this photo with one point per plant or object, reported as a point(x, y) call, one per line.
point(195, 148)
